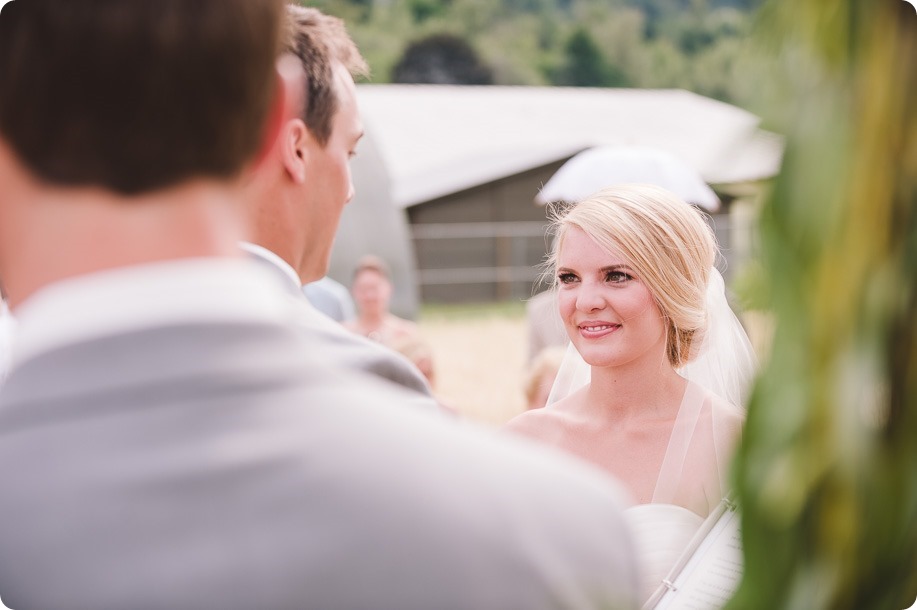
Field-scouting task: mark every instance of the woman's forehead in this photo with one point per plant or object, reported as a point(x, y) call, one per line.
point(575, 244)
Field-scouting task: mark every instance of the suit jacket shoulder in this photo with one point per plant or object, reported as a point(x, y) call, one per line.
point(225, 466)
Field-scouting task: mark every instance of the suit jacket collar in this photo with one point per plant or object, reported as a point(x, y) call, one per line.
point(146, 296)
point(276, 265)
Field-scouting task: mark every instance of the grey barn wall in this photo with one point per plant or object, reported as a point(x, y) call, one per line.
point(508, 200)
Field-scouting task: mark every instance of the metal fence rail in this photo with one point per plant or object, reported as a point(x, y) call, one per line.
point(511, 251)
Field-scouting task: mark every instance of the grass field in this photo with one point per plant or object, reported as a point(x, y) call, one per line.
point(479, 357)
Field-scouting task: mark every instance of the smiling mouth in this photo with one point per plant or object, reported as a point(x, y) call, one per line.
point(594, 328)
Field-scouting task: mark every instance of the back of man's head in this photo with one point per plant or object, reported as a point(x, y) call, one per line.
point(136, 95)
point(320, 40)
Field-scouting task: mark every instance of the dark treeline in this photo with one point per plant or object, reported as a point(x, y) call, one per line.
point(698, 45)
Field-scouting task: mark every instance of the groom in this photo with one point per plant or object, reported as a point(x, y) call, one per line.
point(168, 438)
point(293, 203)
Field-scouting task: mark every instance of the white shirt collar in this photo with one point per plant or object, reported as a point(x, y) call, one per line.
point(144, 296)
point(7, 334)
point(271, 257)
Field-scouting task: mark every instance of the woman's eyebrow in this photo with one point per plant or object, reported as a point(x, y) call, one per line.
point(620, 267)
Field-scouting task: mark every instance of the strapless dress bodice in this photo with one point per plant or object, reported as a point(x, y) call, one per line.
point(661, 534)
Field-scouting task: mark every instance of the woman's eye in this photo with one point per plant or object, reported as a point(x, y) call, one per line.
point(566, 278)
point(617, 277)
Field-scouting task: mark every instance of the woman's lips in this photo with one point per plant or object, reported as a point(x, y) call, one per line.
point(595, 330)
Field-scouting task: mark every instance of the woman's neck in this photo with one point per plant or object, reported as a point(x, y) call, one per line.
point(372, 320)
point(637, 390)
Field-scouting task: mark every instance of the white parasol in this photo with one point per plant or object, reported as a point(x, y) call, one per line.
point(604, 166)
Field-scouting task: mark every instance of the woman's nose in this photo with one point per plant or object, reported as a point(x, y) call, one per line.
point(589, 298)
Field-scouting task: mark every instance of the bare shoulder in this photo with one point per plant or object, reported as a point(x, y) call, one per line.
point(528, 421)
point(725, 415)
point(546, 422)
point(723, 408)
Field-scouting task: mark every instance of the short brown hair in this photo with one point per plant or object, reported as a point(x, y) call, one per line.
point(319, 40)
point(371, 262)
point(136, 95)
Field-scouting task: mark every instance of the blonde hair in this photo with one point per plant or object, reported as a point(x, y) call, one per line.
point(665, 240)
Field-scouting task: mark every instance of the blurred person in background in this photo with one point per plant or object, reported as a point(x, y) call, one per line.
point(418, 351)
point(544, 327)
point(294, 202)
point(653, 391)
point(371, 288)
point(331, 298)
point(195, 448)
point(540, 376)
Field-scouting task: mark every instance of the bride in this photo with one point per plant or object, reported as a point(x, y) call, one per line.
point(651, 386)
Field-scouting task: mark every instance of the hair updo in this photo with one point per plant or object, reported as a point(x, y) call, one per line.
point(666, 241)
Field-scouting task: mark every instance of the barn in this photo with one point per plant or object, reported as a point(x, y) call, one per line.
point(461, 166)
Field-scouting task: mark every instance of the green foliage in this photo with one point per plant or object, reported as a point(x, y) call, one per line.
point(585, 65)
point(751, 288)
point(827, 472)
point(421, 10)
point(643, 43)
point(530, 6)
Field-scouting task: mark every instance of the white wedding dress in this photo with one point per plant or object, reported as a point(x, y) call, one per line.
point(661, 534)
point(692, 477)
point(697, 458)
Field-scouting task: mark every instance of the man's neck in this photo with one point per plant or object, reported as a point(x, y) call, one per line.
point(67, 232)
point(270, 222)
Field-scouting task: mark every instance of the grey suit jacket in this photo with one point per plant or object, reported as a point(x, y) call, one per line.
point(204, 466)
point(346, 348)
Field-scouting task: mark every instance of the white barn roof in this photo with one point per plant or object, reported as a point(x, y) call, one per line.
point(440, 139)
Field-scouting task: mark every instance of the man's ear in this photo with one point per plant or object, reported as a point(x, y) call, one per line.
point(294, 149)
point(286, 104)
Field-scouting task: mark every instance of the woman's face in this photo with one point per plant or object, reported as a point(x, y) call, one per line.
point(609, 314)
point(371, 292)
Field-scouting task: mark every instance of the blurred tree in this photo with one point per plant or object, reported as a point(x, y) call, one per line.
point(509, 46)
point(366, 8)
point(519, 55)
point(421, 10)
point(584, 64)
point(827, 472)
point(442, 59)
point(694, 37)
point(529, 6)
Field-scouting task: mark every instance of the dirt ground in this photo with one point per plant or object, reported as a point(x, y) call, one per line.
point(479, 364)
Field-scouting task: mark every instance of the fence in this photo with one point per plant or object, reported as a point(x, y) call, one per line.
point(499, 261)
point(478, 261)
